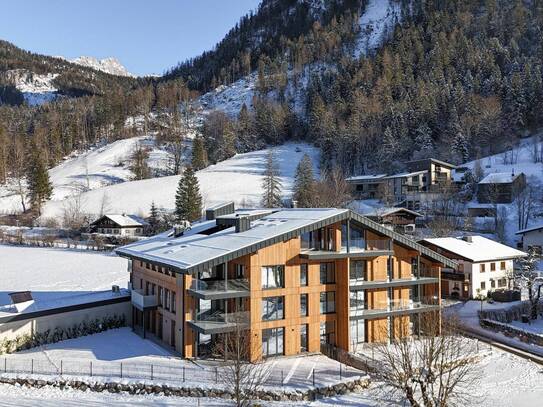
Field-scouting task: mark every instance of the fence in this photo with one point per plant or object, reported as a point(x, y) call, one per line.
point(310, 375)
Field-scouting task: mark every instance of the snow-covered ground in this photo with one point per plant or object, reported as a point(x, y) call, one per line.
point(238, 179)
point(535, 327)
point(36, 88)
point(55, 274)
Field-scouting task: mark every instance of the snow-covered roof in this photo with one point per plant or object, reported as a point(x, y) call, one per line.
point(195, 248)
point(375, 177)
point(530, 229)
point(125, 220)
point(407, 174)
point(499, 178)
point(389, 211)
point(479, 249)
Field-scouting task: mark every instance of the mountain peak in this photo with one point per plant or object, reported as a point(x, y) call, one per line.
point(109, 65)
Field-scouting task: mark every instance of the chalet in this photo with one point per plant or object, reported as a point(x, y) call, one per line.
point(401, 220)
point(120, 225)
point(437, 172)
point(292, 278)
point(532, 238)
point(483, 265)
point(500, 187)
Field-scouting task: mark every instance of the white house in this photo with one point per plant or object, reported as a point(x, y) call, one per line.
point(122, 225)
point(484, 265)
point(532, 238)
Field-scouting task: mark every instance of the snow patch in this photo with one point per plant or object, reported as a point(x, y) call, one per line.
point(376, 24)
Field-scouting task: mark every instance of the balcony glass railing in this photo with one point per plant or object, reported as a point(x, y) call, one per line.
point(394, 305)
point(220, 285)
point(383, 244)
point(241, 317)
point(142, 301)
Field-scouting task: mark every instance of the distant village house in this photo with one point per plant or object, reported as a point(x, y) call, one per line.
point(121, 225)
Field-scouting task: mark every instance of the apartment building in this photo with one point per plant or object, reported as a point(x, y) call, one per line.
point(483, 265)
point(292, 278)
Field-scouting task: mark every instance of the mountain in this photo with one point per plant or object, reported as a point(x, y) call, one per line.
point(108, 65)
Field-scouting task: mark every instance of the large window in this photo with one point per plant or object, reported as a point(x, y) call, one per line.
point(357, 300)
point(328, 273)
point(273, 308)
point(358, 270)
point(304, 305)
point(273, 342)
point(328, 302)
point(328, 332)
point(273, 277)
point(358, 331)
point(303, 338)
point(303, 274)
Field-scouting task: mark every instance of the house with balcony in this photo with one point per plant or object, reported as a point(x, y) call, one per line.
point(483, 265)
point(119, 225)
point(293, 279)
point(500, 187)
point(366, 186)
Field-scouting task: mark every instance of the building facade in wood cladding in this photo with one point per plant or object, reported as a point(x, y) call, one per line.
point(345, 283)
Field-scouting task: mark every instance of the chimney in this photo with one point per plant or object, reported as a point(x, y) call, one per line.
point(222, 209)
point(468, 239)
point(242, 223)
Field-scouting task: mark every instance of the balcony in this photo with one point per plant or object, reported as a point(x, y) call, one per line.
point(143, 302)
point(398, 282)
point(219, 289)
point(358, 248)
point(396, 307)
point(214, 322)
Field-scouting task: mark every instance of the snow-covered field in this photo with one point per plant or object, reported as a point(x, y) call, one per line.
point(238, 179)
point(52, 274)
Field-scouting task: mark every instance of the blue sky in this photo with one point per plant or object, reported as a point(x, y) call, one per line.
point(146, 36)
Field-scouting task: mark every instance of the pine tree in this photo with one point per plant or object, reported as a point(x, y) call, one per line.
point(271, 184)
point(304, 183)
point(199, 156)
point(154, 219)
point(188, 201)
point(39, 185)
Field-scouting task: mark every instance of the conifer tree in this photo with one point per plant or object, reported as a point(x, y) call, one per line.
point(199, 156)
point(304, 183)
point(188, 201)
point(39, 185)
point(154, 219)
point(271, 197)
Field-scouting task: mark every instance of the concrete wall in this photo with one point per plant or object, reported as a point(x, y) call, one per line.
point(66, 319)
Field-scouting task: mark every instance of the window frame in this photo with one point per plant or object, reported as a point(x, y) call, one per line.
point(265, 274)
point(266, 308)
point(302, 297)
point(329, 303)
point(304, 268)
point(330, 270)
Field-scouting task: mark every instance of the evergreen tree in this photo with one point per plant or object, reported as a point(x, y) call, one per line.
point(39, 185)
point(199, 156)
point(304, 183)
point(188, 201)
point(154, 219)
point(271, 184)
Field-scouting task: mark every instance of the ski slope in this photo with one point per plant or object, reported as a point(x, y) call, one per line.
point(238, 179)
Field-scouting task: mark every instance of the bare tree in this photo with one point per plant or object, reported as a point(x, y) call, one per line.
point(239, 374)
point(385, 193)
point(436, 368)
point(73, 214)
point(18, 171)
point(104, 204)
point(524, 200)
point(332, 191)
point(527, 276)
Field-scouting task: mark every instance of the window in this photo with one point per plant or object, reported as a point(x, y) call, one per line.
point(358, 331)
point(153, 288)
point(357, 300)
point(328, 302)
point(167, 295)
point(414, 266)
point(502, 265)
point(492, 266)
point(141, 283)
point(172, 308)
point(328, 332)
point(358, 270)
point(328, 273)
point(240, 270)
point(303, 274)
point(303, 338)
point(273, 277)
point(304, 305)
point(160, 296)
point(147, 284)
point(502, 282)
point(492, 284)
point(483, 285)
point(153, 267)
point(482, 268)
point(273, 308)
point(273, 342)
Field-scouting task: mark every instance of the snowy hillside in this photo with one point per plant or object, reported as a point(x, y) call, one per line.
point(36, 88)
point(238, 179)
point(376, 24)
point(108, 65)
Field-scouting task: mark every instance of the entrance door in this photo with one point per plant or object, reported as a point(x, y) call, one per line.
point(172, 334)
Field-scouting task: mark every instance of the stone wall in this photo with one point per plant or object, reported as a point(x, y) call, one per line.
point(355, 385)
point(512, 332)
